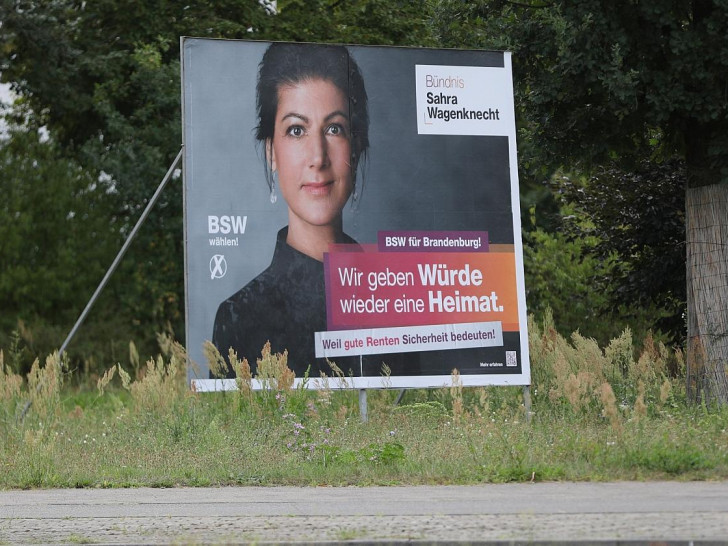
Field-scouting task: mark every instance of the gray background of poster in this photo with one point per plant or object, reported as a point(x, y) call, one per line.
point(413, 182)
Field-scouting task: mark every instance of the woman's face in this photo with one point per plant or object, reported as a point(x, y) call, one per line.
point(311, 151)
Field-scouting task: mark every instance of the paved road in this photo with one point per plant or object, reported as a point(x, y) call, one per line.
point(679, 512)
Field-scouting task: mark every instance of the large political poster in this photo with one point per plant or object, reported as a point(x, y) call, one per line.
point(356, 207)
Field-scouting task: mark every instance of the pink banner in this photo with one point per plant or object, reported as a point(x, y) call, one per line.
point(367, 289)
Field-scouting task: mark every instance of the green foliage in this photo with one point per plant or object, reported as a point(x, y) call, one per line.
point(615, 79)
point(637, 220)
point(374, 453)
point(617, 258)
point(59, 233)
point(371, 22)
point(559, 277)
point(671, 457)
point(57, 228)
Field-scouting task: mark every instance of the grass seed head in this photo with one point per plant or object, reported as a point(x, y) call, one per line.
point(10, 383)
point(665, 389)
point(609, 404)
point(104, 380)
point(217, 364)
point(125, 377)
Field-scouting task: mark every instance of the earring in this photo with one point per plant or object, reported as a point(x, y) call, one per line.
point(273, 195)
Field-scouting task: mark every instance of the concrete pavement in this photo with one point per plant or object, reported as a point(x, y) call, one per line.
point(678, 512)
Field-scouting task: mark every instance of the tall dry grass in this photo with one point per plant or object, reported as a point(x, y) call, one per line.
point(597, 413)
point(621, 381)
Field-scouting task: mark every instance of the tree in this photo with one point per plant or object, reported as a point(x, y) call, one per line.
point(103, 77)
point(58, 229)
point(367, 22)
point(638, 221)
point(609, 82)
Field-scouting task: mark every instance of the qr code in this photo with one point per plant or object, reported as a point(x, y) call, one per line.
point(511, 359)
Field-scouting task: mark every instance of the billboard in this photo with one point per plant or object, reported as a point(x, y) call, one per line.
point(356, 205)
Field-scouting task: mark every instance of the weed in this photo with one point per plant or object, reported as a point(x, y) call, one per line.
point(609, 403)
point(668, 457)
point(376, 453)
point(39, 464)
point(161, 385)
point(134, 358)
point(44, 387)
point(216, 362)
point(427, 410)
point(15, 352)
point(10, 391)
point(105, 379)
point(456, 396)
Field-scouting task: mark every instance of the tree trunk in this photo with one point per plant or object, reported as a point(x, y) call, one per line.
point(707, 286)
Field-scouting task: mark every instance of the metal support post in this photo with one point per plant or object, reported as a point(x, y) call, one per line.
point(363, 405)
point(527, 402)
point(121, 253)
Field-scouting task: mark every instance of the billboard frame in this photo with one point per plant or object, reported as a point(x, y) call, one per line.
point(363, 381)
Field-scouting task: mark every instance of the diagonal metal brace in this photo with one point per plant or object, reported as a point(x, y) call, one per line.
point(121, 253)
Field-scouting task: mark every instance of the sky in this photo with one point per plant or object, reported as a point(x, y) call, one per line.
point(5, 92)
point(5, 98)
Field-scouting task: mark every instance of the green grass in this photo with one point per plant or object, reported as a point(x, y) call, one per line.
point(209, 441)
point(154, 432)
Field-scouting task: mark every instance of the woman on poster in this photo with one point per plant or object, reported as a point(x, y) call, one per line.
point(313, 128)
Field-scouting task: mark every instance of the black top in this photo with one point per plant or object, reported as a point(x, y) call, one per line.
point(285, 305)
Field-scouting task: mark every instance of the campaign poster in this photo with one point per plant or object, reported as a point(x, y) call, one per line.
point(353, 205)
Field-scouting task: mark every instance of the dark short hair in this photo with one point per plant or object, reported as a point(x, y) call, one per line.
point(289, 64)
